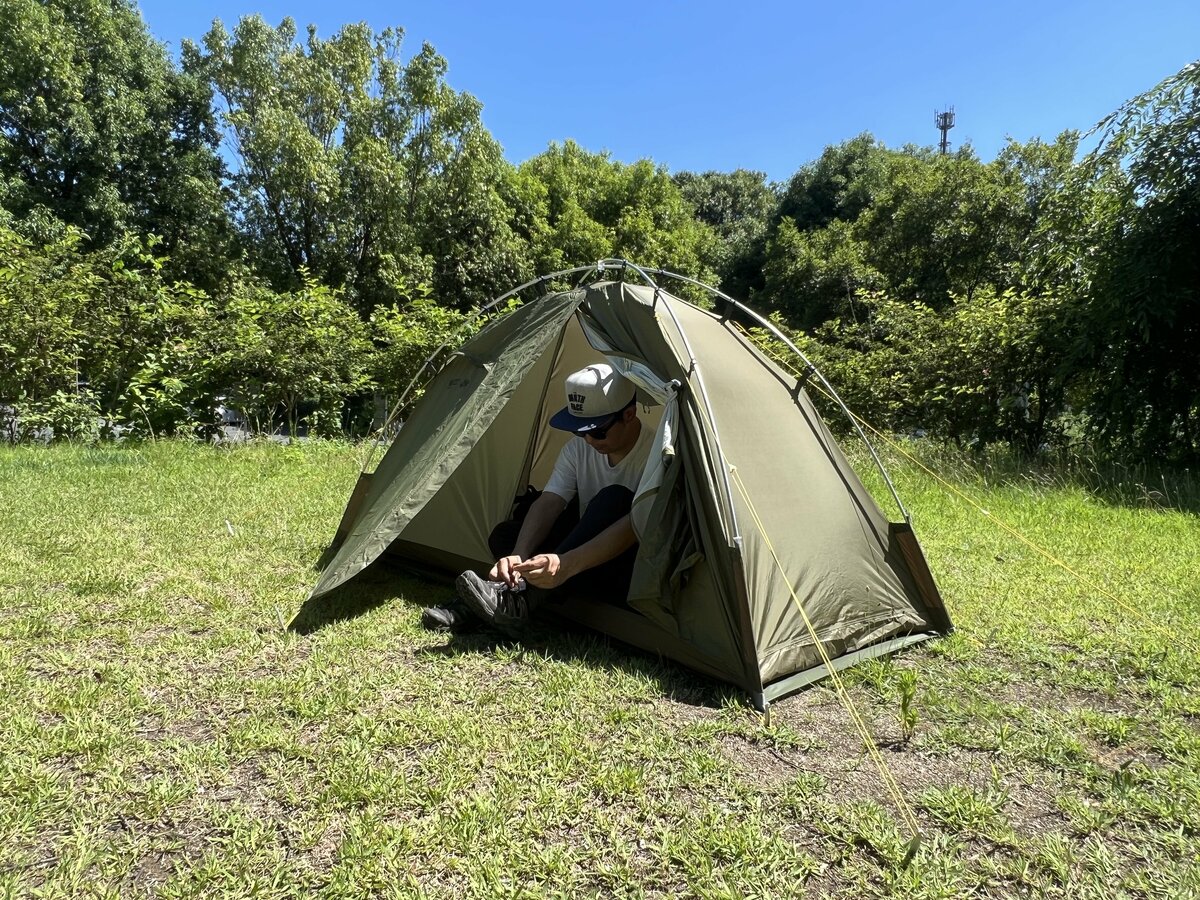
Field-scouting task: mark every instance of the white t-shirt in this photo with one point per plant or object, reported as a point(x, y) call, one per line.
point(581, 470)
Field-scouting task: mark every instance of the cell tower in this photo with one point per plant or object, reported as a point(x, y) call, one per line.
point(944, 121)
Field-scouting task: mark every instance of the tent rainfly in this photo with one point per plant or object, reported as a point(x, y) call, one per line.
point(762, 558)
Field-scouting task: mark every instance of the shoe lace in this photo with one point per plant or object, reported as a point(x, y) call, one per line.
point(513, 603)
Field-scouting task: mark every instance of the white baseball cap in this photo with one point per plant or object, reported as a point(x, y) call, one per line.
point(594, 396)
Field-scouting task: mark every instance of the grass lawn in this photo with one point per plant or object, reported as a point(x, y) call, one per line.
point(161, 734)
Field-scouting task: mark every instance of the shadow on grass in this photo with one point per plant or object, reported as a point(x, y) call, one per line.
point(573, 644)
point(369, 590)
point(562, 640)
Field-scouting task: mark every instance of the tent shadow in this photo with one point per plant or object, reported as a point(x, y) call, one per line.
point(559, 639)
point(573, 644)
point(373, 588)
point(339, 605)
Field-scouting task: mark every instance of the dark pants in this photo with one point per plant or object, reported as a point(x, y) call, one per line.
point(605, 583)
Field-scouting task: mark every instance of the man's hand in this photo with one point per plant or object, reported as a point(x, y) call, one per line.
point(505, 570)
point(546, 570)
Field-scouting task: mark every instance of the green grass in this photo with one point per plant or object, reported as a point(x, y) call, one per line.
point(162, 735)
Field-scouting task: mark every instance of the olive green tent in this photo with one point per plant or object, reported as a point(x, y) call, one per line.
point(755, 534)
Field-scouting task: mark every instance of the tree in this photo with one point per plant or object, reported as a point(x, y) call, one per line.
point(918, 226)
point(1139, 325)
point(99, 129)
point(291, 356)
point(944, 303)
point(840, 185)
point(814, 276)
point(942, 225)
point(358, 167)
point(42, 293)
point(404, 340)
point(100, 335)
point(739, 206)
point(596, 207)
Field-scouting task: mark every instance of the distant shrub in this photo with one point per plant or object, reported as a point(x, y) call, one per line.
point(289, 356)
point(987, 368)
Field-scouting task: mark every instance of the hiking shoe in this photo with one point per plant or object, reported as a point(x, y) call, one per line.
point(514, 611)
point(507, 610)
point(446, 618)
point(479, 594)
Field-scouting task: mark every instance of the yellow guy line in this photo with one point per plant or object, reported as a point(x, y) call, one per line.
point(1087, 582)
point(873, 751)
point(1083, 579)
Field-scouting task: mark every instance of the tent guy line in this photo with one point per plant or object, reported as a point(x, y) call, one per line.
point(885, 772)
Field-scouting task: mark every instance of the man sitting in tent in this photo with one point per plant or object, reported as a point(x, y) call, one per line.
point(554, 542)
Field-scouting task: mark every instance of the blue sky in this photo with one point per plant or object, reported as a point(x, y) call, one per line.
point(763, 85)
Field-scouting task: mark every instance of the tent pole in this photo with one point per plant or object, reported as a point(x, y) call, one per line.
point(483, 311)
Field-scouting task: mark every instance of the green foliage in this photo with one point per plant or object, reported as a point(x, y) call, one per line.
point(1031, 300)
point(99, 339)
point(63, 415)
point(813, 261)
point(815, 276)
point(42, 295)
point(839, 186)
point(1035, 299)
point(96, 335)
point(1140, 320)
point(367, 171)
point(739, 206)
point(595, 208)
point(291, 356)
point(147, 357)
point(405, 338)
point(985, 370)
point(917, 226)
point(942, 226)
point(100, 130)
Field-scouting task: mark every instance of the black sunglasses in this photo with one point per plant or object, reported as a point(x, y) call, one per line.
point(599, 434)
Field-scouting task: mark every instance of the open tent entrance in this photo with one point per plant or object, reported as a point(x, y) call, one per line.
point(761, 555)
point(516, 450)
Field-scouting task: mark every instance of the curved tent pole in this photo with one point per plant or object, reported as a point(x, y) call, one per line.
point(774, 330)
point(481, 313)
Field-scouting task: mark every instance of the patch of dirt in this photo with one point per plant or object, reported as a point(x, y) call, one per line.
point(852, 776)
point(195, 730)
point(173, 843)
point(768, 765)
point(1044, 695)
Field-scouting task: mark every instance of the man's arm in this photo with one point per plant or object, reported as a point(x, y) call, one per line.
point(543, 513)
point(549, 570)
